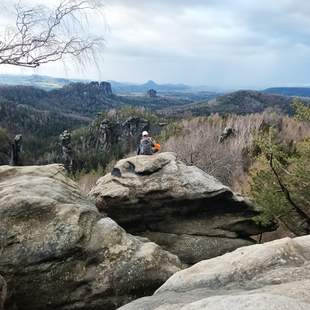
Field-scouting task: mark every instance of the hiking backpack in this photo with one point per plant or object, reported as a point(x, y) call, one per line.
point(146, 146)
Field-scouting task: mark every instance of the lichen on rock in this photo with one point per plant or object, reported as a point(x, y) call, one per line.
point(59, 252)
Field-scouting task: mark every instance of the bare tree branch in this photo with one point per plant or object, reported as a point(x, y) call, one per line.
point(43, 36)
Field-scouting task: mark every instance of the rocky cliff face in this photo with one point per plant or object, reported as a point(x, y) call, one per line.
point(180, 207)
point(272, 276)
point(89, 90)
point(125, 133)
point(58, 252)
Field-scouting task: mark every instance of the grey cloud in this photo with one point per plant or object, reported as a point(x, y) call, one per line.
point(236, 43)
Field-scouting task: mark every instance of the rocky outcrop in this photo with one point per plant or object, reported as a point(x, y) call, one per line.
point(180, 207)
point(58, 252)
point(152, 93)
point(90, 89)
point(3, 292)
point(110, 133)
point(274, 276)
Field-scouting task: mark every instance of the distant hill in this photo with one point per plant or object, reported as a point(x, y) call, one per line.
point(239, 102)
point(40, 128)
point(249, 101)
point(126, 88)
point(81, 98)
point(28, 120)
point(289, 91)
point(48, 83)
point(39, 81)
point(41, 115)
point(87, 99)
point(143, 88)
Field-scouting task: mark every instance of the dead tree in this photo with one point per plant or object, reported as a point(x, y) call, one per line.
point(43, 35)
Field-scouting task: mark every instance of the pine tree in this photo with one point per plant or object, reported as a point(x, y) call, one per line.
point(281, 180)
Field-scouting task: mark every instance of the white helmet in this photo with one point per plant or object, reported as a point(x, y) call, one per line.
point(145, 133)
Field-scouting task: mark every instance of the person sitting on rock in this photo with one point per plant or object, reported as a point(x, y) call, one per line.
point(147, 145)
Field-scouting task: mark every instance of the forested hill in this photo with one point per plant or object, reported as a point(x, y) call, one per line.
point(86, 99)
point(249, 101)
point(27, 109)
point(40, 115)
point(239, 102)
point(49, 83)
point(289, 91)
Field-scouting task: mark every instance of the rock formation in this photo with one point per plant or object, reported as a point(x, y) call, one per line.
point(109, 137)
point(227, 133)
point(82, 98)
point(66, 148)
point(152, 93)
point(91, 89)
point(3, 292)
point(273, 276)
point(16, 149)
point(179, 207)
point(58, 252)
point(123, 133)
point(106, 88)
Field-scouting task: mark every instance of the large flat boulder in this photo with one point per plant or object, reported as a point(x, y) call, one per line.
point(59, 252)
point(273, 276)
point(179, 207)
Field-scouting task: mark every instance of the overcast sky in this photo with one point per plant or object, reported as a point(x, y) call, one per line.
point(221, 43)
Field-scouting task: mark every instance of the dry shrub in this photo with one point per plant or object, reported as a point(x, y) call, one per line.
point(293, 130)
point(198, 143)
point(87, 182)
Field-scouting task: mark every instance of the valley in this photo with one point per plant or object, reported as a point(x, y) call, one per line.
point(41, 115)
point(154, 155)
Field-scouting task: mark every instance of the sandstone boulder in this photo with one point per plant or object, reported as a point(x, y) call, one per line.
point(180, 207)
point(273, 276)
point(58, 252)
